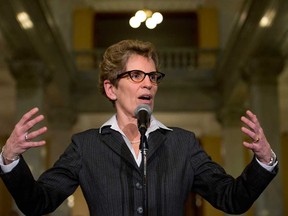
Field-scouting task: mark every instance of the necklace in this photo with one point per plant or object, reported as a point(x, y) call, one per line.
point(134, 142)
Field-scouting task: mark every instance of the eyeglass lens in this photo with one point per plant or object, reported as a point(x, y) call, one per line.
point(138, 76)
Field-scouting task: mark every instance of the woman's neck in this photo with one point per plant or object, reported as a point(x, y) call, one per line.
point(129, 128)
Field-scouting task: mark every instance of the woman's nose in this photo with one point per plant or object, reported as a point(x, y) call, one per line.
point(147, 82)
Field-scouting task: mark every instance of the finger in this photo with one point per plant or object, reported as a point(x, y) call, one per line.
point(28, 116)
point(248, 145)
point(22, 127)
point(26, 127)
point(33, 144)
point(32, 135)
point(252, 122)
point(253, 117)
point(256, 139)
point(252, 134)
point(247, 122)
point(252, 145)
point(248, 132)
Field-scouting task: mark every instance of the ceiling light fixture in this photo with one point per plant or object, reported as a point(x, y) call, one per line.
point(25, 20)
point(151, 19)
point(267, 19)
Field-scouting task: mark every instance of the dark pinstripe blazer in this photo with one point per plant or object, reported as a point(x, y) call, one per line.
point(103, 166)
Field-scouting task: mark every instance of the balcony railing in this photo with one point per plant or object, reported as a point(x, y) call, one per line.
point(171, 59)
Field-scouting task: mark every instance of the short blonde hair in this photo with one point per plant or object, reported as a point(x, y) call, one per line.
point(116, 57)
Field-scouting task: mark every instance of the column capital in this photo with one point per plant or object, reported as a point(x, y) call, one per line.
point(263, 69)
point(29, 72)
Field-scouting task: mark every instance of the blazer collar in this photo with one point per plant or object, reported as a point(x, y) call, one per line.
point(116, 142)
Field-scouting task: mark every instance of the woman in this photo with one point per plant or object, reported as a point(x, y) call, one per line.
point(106, 162)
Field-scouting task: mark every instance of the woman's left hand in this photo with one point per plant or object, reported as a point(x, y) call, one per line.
point(259, 144)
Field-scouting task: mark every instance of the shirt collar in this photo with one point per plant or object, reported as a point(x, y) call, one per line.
point(154, 125)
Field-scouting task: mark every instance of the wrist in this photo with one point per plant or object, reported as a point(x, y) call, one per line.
point(268, 161)
point(273, 158)
point(7, 159)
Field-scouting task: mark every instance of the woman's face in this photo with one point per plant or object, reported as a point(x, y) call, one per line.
point(130, 94)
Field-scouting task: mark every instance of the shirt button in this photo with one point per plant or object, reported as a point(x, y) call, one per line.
point(140, 210)
point(138, 186)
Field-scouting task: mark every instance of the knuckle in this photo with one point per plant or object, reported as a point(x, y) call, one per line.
point(30, 124)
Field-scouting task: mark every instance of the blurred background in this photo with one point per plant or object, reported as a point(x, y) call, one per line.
point(220, 58)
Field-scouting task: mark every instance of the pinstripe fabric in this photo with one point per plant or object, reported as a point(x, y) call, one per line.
point(111, 180)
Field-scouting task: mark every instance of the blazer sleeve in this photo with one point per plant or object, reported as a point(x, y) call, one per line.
point(233, 196)
point(50, 190)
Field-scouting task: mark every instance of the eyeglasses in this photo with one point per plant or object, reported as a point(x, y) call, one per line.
point(138, 76)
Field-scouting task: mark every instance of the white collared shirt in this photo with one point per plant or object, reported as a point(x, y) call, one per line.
point(154, 125)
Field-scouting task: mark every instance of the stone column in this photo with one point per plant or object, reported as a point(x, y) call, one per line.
point(61, 121)
point(262, 76)
point(31, 76)
point(62, 14)
point(232, 148)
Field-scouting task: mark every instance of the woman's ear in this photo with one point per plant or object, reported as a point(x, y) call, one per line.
point(109, 90)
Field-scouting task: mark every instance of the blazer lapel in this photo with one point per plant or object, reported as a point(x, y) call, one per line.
point(116, 142)
point(155, 141)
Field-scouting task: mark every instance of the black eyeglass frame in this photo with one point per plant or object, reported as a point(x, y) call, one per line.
point(160, 76)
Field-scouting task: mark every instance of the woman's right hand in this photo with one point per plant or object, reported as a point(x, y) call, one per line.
point(21, 138)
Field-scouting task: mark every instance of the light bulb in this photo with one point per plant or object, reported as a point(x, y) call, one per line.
point(134, 22)
point(157, 17)
point(150, 23)
point(140, 15)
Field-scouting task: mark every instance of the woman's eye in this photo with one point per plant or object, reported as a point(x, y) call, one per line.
point(136, 75)
point(154, 77)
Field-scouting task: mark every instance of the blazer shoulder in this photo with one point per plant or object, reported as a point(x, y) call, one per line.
point(87, 134)
point(181, 131)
